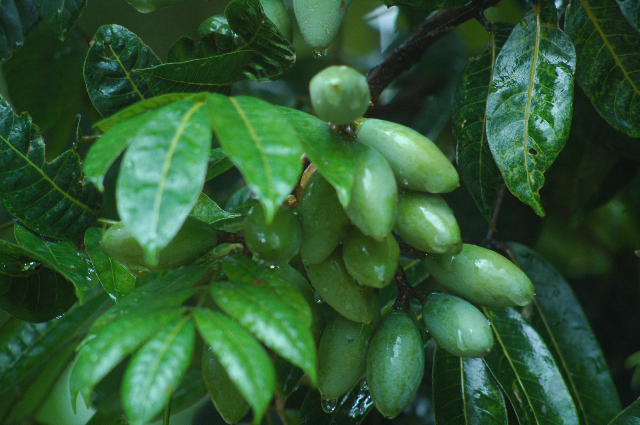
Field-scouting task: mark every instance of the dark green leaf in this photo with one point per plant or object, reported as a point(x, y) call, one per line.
point(464, 392)
point(17, 18)
point(529, 103)
point(146, 6)
point(239, 203)
point(208, 211)
point(631, 11)
point(608, 61)
point(218, 163)
point(244, 359)
point(116, 52)
point(525, 369)
point(51, 198)
point(156, 370)
point(475, 161)
point(184, 49)
point(288, 376)
point(60, 14)
point(629, 416)
point(558, 318)
point(261, 143)
point(14, 261)
point(350, 409)
point(190, 391)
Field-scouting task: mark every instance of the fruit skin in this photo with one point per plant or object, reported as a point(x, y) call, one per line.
point(395, 364)
point(416, 161)
point(458, 326)
point(368, 261)
point(339, 94)
point(482, 277)
point(374, 195)
point(277, 13)
point(426, 222)
point(276, 242)
point(320, 20)
point(323, 220)
point(194, 239)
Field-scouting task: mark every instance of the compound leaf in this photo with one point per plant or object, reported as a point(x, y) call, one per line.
point(60, 14)
point(17, 18)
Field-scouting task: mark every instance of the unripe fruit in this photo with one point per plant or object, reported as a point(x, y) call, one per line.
point(457, 325)
point(276, 242)
point(223, 392)
point(339, 94)
point(277, 13)
point(370, 262)
point(374, 195)
point(323, 220)
point(320, 20)
point(482, 277)
point(395, 364)
point(194, 239)
point(416, 161)
point(426, 222)
point(335, 285)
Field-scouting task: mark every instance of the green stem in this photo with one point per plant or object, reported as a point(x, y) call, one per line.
point(167, 413)
point(107, 222)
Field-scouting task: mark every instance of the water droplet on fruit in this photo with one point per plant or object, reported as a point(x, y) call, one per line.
point(329, 405)
point(317, 54)
point(318, 298)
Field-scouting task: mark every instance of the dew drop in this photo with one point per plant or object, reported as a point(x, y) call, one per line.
point(329, 404)
point(523, 24)
point(364, 385)
point(317, 54)
point(318, 298)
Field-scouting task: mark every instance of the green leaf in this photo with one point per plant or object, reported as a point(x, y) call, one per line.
point(518, 361)
point(631, 11)
point(351, 409)
point(115, 52)
point(244, 359)
point(558, 318)
point(288, 376)
point(326, 149)
point(50, 198)
point(14, 261)
point(261, 143)
point(475, 161)
point(162, 174)
point(629, 416)
point(529, 103)
point(17, 18)
point(146, 6)
point(156, 370)
point(241, 203)
point(60, 14)
point(608, 62)
point(464, 392)
point(115, 278)
point(208, 211)
point(271, 320)
point(218, 163)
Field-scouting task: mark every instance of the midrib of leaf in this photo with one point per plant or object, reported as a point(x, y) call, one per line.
point(464, 394)
point(255, 36)
point(527, 112)
point(126, 72)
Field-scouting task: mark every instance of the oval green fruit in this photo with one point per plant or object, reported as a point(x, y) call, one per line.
point(457, 325)
point(426, 222)
point(277, 13)
point(323, 220)
point(370, 262)
point(416, 161)
point(320, 20)
point(482, 277)
point(275, 242)
point(395, 363)
point(339, 94)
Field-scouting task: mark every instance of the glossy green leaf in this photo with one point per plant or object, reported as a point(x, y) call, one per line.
point(162, 174)
point(146, 6)
point(51, 198)
point(464, 392)
point(326, 149)
point(288, 376)
point(475, 161)
point(526, 371)
point(241, 203)
point(60, 14)
point(631, 10)
point(218, 163)
point(182, 50)
point(190, 391)
point(17, 18)
point(558, 318)
point(629, 416)
point(115, 278)
point(115, 52)
point(529, 103)
point(608, 61)
point(351, 409)
point(208, 211)
point(156, 370)
point(244, 359)
point(271, 320)
point(14, 261)
point(261, 143)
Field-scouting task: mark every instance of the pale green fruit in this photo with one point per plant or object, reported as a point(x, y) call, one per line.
point(458, 326)
point(370, 262)
point(320, 20)
point(276, 242)
point(323, 220)
point(482, 277)
point(336, 287)
point(417, 162)
point(426, 222)
point(224, 394)
point(339, 94)
point(374, 195)
point(277, 13)
point(395, 364)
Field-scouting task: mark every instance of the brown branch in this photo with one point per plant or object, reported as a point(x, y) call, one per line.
point(427, 33)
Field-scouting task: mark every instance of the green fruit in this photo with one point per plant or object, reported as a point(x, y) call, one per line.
point(334, 284)
point(277, 13)
point(339, 94)
point(457, 325)
point(276, 242)
point(417, 162)
point(426, 222)
point(395, 364)
point(224, 394)
point(323, 220)
point(370, 262)
point(482, 277)
point(194, 239)
point(320, 20)
point(374, 195)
